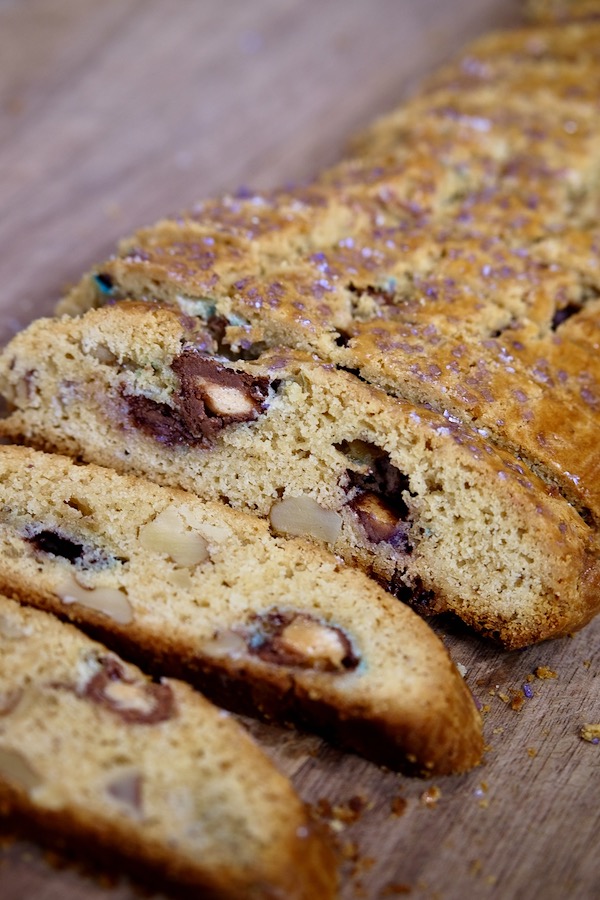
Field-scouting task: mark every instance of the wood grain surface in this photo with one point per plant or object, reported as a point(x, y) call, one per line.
point(114, 113)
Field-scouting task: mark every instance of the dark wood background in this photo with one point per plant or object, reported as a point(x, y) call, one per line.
point(113, 113)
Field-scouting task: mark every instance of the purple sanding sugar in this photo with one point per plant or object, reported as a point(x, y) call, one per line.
point(528, 690)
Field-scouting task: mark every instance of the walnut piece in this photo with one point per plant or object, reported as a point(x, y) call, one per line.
point(318, 644)
point(303, 517)
point(17, 770)
point(125, 786)
point(223, 400)
point(169, 534)
point(290, 638)
point(226, 643)
point(106, 600)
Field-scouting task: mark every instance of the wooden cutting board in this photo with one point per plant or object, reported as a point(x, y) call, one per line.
point(114, 113)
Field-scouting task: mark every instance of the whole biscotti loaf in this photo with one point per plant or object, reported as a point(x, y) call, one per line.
point(264, 625)
point(449, 261)
point(145, 774)
point(432, 509)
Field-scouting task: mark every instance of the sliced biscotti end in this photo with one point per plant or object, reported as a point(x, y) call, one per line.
point(262, 624)
point(145, 772)
point(428, 506)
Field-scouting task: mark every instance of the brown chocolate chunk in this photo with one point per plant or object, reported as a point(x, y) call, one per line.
point(160, 421)
point(377, 490)
point(415, 594)
point(210, 397)
point(140, 702)
point(57, 543)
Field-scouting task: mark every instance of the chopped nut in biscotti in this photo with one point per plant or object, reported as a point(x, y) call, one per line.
point(380, 521)
point(102, 353)
point(298, 639)
point(169, 534)
point(125, 786)
point(17, 769)
point(303, 517)
point(106, 600)
point(311, 640)
point(226, 401)
point(141, 702)
point(226, 643)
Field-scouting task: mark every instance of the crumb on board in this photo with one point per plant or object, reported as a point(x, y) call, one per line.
point(356, 864)
point(431, 797)
point(517, 700)
point(544, 673)
point(587, 663)
point(350, 850)
point(481, 789)
point(341, 814)
point(590, 733)
point(480, 792)
point(476, 868)
point(398, 806)
point(532, 752)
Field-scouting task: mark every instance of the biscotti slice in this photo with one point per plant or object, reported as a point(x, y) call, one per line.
point(262, 624)
point(145, 774)
point(433, 511)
